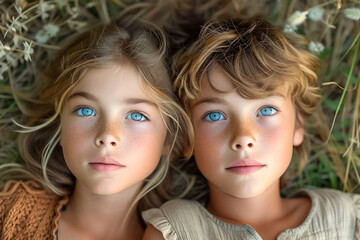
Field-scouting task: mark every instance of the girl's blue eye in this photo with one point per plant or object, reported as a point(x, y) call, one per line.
point(266, 111)
point(84, 112)
point(214, 116)
point(136, 116)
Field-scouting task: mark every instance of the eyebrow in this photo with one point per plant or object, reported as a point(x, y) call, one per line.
point(128, 101)
point(219, 101)
point(83, 95)
point(207, 100)
point(138, 101)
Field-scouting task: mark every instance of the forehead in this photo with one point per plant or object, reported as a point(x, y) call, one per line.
point(113, 80)
point(216, 82)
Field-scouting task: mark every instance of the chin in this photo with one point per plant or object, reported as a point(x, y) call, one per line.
point(244, 192)
point(105, 190)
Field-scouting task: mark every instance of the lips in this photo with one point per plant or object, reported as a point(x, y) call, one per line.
point(105, 164)
point(245, 166)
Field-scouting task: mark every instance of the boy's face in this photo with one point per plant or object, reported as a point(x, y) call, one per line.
point(243, 146)
point(112, 133)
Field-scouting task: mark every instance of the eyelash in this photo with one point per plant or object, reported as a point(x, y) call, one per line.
point(210, 112)
point(80, 112)
point(77, 111)
point(274, 111)
point(137, 112)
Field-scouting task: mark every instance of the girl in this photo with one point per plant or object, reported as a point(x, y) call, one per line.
point(105, 126)
point(247, 88)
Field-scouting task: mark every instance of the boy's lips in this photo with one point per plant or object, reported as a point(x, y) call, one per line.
point(105, 164)
point(245, 166)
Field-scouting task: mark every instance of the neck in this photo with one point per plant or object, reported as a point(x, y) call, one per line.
point(255, 211)
point(104, 215)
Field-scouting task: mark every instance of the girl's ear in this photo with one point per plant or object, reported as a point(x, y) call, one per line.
point(299, 130)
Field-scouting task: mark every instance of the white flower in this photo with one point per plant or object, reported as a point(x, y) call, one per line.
point(289, 28)
point(11, 61)
point(2, 53)
point(3, 68)
point(297, 18)
point(61, 3)
point(74, 12)
point(3, 49)
point(15, 25)
point(21, 14)
point(316, 47)
point(44, 8)
point(316, 14)
point(48, 31)
point(27, 51)
point(16, 40)
point(352, 13)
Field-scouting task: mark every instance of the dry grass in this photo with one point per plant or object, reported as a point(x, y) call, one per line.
point(27, 45)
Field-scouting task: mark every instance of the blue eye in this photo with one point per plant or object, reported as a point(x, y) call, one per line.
point(214, 116)
point(266, 111)
point(136, 116)
point(84, 112)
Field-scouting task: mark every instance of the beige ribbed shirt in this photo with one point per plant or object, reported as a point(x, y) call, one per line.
point(333, 215)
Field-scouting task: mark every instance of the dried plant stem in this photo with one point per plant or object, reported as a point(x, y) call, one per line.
point(8, 110)
point(30, 40)
point(354, 136)
point(346, 86)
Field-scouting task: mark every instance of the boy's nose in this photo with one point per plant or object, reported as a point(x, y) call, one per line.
point(243, 137)
point(243, 143)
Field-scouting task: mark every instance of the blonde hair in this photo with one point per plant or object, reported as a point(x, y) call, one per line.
point(258, 58)
point(99, 47)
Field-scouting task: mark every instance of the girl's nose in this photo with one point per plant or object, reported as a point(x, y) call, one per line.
point(106, 141)
point(108, 136)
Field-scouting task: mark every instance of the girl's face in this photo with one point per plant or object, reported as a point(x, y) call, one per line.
point(112, 133)
point(243, 146)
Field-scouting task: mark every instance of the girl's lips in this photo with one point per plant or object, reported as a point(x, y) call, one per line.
point(245, 166)
point(105, 164)
point(245, 170)
point(101, 167)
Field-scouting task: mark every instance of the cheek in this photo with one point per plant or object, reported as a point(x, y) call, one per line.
point(74, 138)
point(278, 141)
point(147, 145)
point(207, 150)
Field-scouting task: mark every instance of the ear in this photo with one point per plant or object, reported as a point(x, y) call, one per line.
point(299, 130)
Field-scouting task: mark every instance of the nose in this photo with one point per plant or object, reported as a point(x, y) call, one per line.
point(108, 135)
point(243, 137)
point(243, 143)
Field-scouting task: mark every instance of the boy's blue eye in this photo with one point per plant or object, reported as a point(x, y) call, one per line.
point(136, 116)
point(266, 111)
point(214, 116)
point(84, 112)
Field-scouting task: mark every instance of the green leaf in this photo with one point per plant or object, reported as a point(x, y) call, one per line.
point(346, 73)
point(330, 103)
